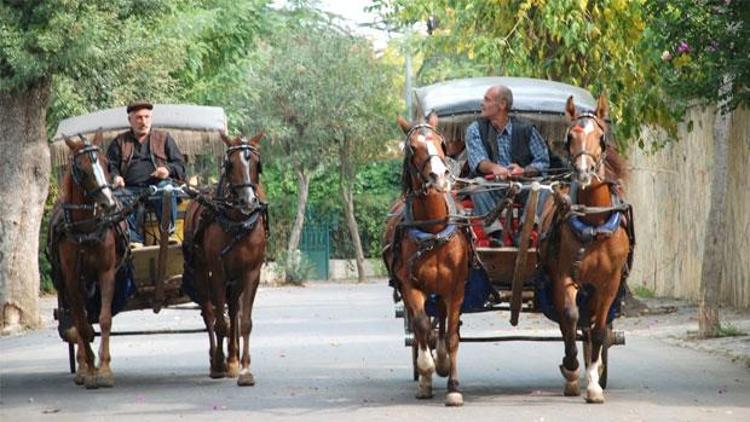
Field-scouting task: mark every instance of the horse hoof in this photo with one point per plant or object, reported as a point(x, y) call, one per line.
point(571, 389)
point(424, 393)
point(594, 395)
point(90, 382)
point(454, 399)
point(217, 374)
point(78, 379)
point(246, 380)
point(443, 367)
point(105, 381)
point(233, 369)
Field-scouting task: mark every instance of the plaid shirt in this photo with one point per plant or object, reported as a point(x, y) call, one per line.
point(477, 153)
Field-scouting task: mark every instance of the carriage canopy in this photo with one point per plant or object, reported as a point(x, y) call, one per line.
point(195, 128)
point(541, 101)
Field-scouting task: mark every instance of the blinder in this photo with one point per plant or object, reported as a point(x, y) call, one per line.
point(247, 150)
point(78, 175)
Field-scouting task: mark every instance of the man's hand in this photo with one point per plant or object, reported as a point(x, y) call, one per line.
point(118, 182)
point(515, 170)
point(160, 173)
point(500, 171)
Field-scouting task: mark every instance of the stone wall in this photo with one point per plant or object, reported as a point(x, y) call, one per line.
point(670, 192)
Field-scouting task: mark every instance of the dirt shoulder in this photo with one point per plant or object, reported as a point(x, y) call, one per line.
point(680, 327)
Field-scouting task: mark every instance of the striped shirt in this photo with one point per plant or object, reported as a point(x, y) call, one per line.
point(477, 152)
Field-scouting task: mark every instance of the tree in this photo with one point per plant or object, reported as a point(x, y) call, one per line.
point(61, 58)
point(39, 41)
point(595, 44)
point(706, 58)
point(360, 101)
point(323, 98)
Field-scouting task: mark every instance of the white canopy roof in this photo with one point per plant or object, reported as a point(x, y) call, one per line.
point(173, 116)
point(463, 96)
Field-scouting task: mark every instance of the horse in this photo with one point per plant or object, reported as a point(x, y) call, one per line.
point(87, 245)
point(225, 245)
point(424, 253)
point(587, 244)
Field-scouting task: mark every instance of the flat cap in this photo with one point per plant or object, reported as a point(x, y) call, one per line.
point(137, 105)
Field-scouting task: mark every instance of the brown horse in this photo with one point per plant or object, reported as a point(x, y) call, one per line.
point(225, 246)
point(589, 244)
point(428, 258)
point(85, 230)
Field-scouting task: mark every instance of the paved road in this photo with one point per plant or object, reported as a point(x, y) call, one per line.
point(335, 352)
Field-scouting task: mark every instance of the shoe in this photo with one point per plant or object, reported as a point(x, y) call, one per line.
point(136, 245)
point(173, 239)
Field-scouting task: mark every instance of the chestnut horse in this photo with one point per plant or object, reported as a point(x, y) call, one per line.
point(587, 244)
point(87, 245)
point(428, 258)
point(225, 246)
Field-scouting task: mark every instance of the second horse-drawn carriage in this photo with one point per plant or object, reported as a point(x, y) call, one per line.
point(510, 276)
point(88, 243)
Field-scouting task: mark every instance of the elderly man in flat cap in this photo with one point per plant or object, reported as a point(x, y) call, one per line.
point(142, 157)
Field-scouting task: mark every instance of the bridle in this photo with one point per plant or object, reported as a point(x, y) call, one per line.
point(248, 150)
point(425, 183)
point(79, 175)
point(602, 141)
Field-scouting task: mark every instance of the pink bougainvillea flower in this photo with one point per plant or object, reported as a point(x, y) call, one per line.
point(684, 47)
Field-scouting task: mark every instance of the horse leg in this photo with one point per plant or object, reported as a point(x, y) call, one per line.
point(104, 376)
point(443, 363)
point(565, 302)
point(218, 363)
point(246, 326)
point(86, 374)
point(233, 355)
point(422, 328)
point(454, 397)
point(600, 305)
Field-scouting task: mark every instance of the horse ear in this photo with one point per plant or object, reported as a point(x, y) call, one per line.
point(405, 126)
point(99, 138)
point(73, 144)
point(432, 120)
point(602, 108)
point(570, 109)
point(227, 140)
point(255, 141)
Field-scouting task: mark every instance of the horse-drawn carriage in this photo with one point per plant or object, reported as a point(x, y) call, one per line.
point(507, 276)
point(149, 276)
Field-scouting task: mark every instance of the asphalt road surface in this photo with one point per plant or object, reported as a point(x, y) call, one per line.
point(335, 352)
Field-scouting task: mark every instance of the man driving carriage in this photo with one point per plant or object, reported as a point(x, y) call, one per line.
point(141, 157)
point(503, 146)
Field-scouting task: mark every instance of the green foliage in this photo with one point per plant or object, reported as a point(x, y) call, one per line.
point(701, 43)
point(296, 267)
point(643, 291)
point(595, 44)
point(45, 268)
point(729, 330)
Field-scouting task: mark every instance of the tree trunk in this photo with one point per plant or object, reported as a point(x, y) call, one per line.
point(303, 185)
point(713, 253)
point(24, 180)
point(346, 182)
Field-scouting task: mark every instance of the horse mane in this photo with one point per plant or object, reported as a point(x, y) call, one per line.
point(405, 176)
point(615, 165)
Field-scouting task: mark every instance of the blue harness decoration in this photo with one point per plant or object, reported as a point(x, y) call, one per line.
point(587, 233)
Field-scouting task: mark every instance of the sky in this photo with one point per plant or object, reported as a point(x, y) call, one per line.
point(354, 15)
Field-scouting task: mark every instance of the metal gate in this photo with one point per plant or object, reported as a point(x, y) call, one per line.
point(315, 246)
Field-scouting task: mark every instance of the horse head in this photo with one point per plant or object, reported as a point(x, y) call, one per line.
point(241, 171)
point(586, 141)
point(424, 157)
point(89, 171)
